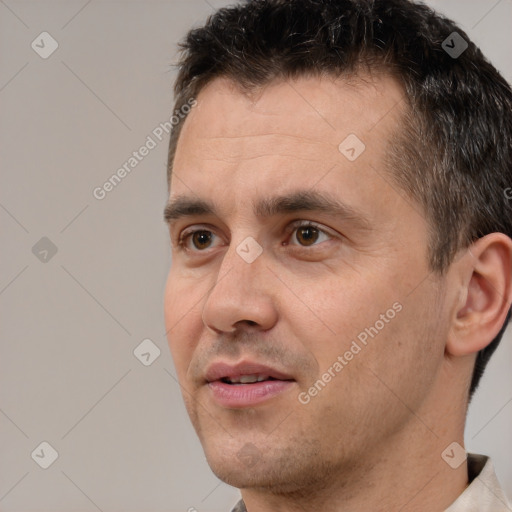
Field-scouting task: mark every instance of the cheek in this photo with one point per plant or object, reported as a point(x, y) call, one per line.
point(181, 314)
point(171, 304)
point(181, 295)
point(370, 323)
point(383, 365)
point(404, 357)
point(327, 319)
point(334, 309)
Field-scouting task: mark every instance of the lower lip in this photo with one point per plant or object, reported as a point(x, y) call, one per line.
point(244, 395)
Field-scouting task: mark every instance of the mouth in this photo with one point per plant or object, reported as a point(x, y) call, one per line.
point(245, 384)
point(247, 379)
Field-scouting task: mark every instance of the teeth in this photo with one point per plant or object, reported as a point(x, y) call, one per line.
point(248, 379)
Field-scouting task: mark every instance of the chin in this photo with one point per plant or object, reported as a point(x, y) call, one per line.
point(240, 479)
point(272, 478)
point(240, 463)
point(247, 467)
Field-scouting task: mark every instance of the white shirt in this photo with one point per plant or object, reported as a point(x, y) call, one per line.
point(483, 493)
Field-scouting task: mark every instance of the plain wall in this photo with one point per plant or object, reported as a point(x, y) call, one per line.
point(70, 325)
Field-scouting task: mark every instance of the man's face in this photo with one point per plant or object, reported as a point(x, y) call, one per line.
point(353, 289)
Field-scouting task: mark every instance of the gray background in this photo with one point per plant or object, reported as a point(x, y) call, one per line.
point(70, 325)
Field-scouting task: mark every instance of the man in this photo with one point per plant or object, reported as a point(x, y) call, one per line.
point(341, 252)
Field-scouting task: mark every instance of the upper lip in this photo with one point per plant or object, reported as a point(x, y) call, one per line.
point(221, 369)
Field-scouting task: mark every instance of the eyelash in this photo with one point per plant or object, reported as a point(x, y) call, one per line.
point(293, 227)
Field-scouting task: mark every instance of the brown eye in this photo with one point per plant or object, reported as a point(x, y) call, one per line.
point(307, 235)
point(201, 239)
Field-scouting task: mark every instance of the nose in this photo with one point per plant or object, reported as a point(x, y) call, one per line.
point(242, 295)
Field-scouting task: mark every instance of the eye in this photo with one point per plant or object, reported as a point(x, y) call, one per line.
point(308, 233)
point(200, 238)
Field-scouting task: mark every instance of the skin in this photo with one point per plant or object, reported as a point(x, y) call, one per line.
point(372, 439)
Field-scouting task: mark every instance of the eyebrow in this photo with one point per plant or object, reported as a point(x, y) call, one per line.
point(297, 201)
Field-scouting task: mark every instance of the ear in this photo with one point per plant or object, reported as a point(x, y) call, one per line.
point(485, 274)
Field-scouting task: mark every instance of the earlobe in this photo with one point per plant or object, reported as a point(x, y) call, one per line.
point(486, 298)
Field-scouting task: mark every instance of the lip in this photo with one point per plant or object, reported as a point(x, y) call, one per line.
point(221, 369)
point(245, 395)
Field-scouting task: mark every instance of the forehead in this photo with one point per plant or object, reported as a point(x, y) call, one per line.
point(321, 109)
point(285, 133)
